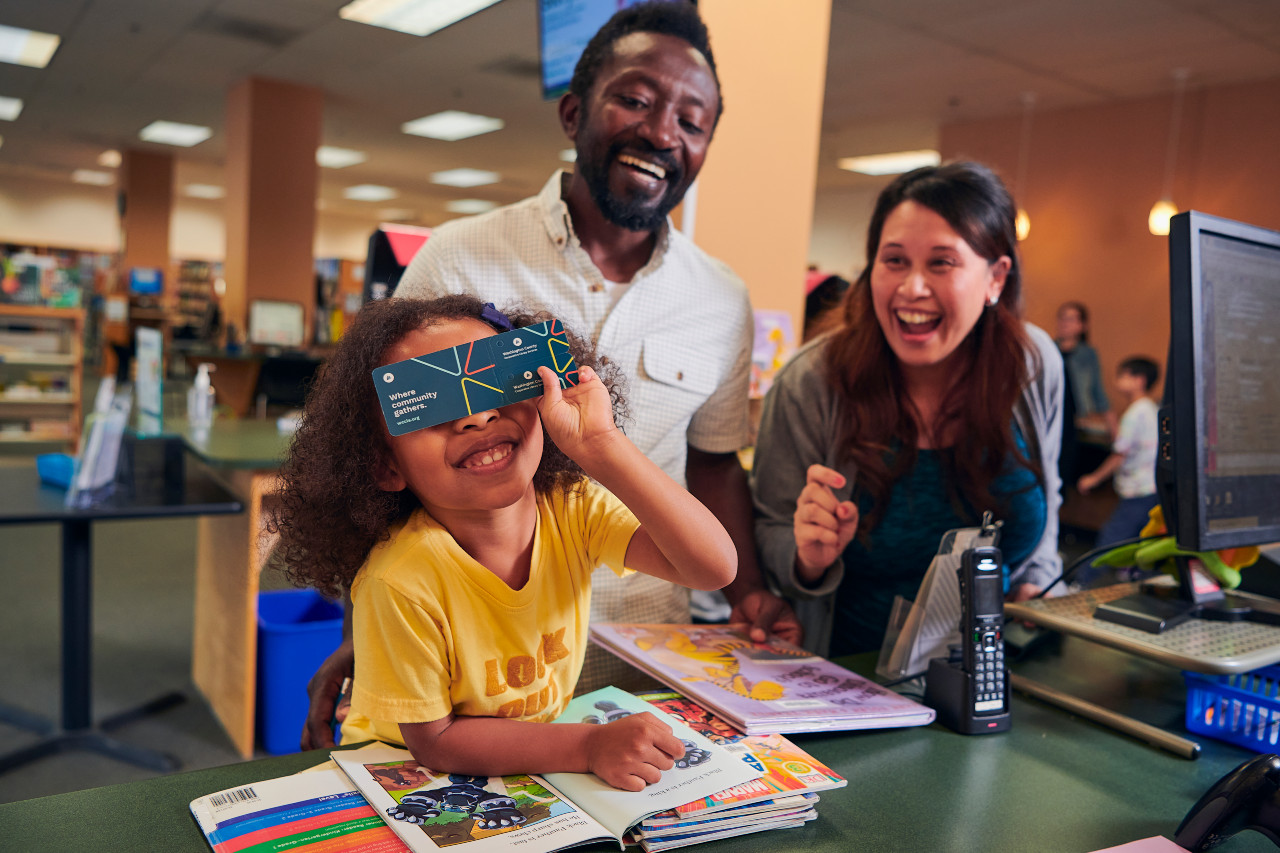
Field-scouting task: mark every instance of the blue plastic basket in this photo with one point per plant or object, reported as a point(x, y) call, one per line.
point(1243, 709)
point(297, 630)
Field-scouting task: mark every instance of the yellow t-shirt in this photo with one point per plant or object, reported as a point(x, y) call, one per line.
point(436, 632)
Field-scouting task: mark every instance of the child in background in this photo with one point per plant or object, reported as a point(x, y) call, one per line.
point(468, 549)
point(1133, 454)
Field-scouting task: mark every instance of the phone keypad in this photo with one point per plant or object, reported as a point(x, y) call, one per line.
point(988, 677)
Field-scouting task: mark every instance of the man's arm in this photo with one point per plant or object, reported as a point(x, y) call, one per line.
point(719, 482)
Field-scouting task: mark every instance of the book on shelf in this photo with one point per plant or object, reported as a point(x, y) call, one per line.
point(770, 687)
point(320, 811)
point(554, 811)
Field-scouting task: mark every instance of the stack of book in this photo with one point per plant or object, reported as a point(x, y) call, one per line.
point(785, 795)
point(767, 687)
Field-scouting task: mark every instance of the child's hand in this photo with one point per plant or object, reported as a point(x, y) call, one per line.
point(575, 417)
point(823, 525)
point(632, 752)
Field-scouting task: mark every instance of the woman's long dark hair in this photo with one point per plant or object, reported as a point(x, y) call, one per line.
point(329, 511)
point(881, 429)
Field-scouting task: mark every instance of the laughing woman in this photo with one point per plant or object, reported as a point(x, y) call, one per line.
point(932, 402)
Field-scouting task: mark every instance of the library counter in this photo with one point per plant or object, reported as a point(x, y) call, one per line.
point(1055, 782)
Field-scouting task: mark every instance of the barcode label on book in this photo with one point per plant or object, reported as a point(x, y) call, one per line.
point(795, 704)
point(230, 798)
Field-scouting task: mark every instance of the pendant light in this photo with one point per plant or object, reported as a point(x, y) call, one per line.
point(1022, 223)
point(1162, 210)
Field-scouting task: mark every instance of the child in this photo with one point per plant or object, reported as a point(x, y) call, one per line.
point(1133, 454)
point(468, 549)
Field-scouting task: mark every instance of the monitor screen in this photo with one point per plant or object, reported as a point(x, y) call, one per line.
point(564, 28)
point(278, 324)
point(1219, 455)
point(145, 281)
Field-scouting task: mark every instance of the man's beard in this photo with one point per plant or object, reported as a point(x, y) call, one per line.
point(632, 214)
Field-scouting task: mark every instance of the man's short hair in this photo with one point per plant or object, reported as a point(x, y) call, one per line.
point(677, 18)
point(1142, 366)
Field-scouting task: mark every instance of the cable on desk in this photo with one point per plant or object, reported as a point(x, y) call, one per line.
point(1086, 558)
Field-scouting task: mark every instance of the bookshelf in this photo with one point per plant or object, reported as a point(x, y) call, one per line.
point(41, 358)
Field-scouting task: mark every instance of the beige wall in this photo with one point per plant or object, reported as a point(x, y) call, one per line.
point(1092, 177)
point(755, 193)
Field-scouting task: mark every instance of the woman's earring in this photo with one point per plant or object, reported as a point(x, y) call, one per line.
point(991, 303)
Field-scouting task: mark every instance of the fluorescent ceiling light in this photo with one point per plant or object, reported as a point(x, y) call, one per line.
point(415, 17)
point(464, 177)
point(569, 155)
point(368, 192)
point(338, 158)
point(110, 158)
point(452, 125)
point(469, 205)
point(891, 164)
point(10, 108)
point(175, 133)
point(90, 176)
point(27, 47)
point(204, 191)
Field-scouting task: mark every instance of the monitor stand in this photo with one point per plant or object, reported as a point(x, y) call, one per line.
point(1197, 596)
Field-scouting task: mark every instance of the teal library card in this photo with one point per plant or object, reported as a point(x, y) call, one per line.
point(486, 374)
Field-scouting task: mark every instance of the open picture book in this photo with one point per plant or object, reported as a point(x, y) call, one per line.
point(430, 811)
point(768, 687)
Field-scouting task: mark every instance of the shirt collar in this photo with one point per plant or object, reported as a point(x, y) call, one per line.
point(559, 225)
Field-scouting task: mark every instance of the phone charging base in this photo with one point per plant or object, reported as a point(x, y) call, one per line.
point(949, 691)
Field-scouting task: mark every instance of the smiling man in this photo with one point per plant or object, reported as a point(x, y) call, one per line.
point(596, 248)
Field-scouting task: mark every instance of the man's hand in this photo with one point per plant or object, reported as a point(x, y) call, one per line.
point(632, 752)
point(323, 689)
point(823, 525)
point(765, 613)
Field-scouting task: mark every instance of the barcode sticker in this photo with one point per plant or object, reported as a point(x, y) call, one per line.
point(226, 799)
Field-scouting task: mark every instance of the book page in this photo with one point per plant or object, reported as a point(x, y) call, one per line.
point(705, 768)
point(430, 811)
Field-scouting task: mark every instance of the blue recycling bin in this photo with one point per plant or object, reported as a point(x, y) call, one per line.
point(297, 630)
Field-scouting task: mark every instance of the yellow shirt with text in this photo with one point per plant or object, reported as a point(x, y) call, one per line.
point(436, 632)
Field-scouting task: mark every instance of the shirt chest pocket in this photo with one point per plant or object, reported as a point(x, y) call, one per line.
point(673, 362)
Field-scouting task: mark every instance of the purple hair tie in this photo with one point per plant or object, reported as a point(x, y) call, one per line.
point(495, 317)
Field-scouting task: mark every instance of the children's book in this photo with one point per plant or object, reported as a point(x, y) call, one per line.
point(430, 810)
point(725, 820)
point(320, 811)
point(769, 687)
point(787, 769)
point(670, 842)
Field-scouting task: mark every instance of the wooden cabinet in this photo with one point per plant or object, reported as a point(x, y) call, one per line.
point(41, 358)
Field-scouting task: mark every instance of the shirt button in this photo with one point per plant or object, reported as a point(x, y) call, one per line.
point(596, 287)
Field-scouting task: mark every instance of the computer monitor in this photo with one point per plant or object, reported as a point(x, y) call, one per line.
point(146, 281)
point(276, 323)
point(1218, 465)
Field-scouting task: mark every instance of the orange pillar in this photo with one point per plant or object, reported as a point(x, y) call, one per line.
point(754, 207)
point(273, 130)
point(146, 194)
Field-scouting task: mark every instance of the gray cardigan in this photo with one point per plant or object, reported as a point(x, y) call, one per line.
point(798, 427)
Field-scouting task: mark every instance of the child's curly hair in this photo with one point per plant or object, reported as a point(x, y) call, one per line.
point(329, 511)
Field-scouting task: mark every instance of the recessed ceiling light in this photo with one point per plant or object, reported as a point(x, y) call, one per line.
point(175, 133)
point(27, 47)
point(10, 108)
point(110, 158)
point(338, 158)
point(91, 176)
point(452, 125)
point(469, 205)
point(368, 192)
point(891, 164)
point(416, 17)
point(569, 155)
point(204, 191)
point(464, 177)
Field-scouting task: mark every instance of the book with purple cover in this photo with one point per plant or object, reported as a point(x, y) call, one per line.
point(760, 688)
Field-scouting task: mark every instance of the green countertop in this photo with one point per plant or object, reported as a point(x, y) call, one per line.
point(1055, 782)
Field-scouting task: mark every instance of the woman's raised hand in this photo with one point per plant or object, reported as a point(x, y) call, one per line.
point(823, 524)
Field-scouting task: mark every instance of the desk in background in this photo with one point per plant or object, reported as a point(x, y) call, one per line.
point(1054, 782)
point(230, 553)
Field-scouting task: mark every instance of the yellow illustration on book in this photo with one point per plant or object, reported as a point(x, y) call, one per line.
point(715, 660)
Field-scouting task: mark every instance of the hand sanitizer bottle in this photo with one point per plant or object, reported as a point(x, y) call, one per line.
point(200, 399)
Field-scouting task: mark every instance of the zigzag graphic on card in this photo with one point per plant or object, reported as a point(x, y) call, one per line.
point(454, 350)
point(564, 378)
point(467, 397)
point(556, 324)
point(551, 347)
point(539, 329)
point(470, 347)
